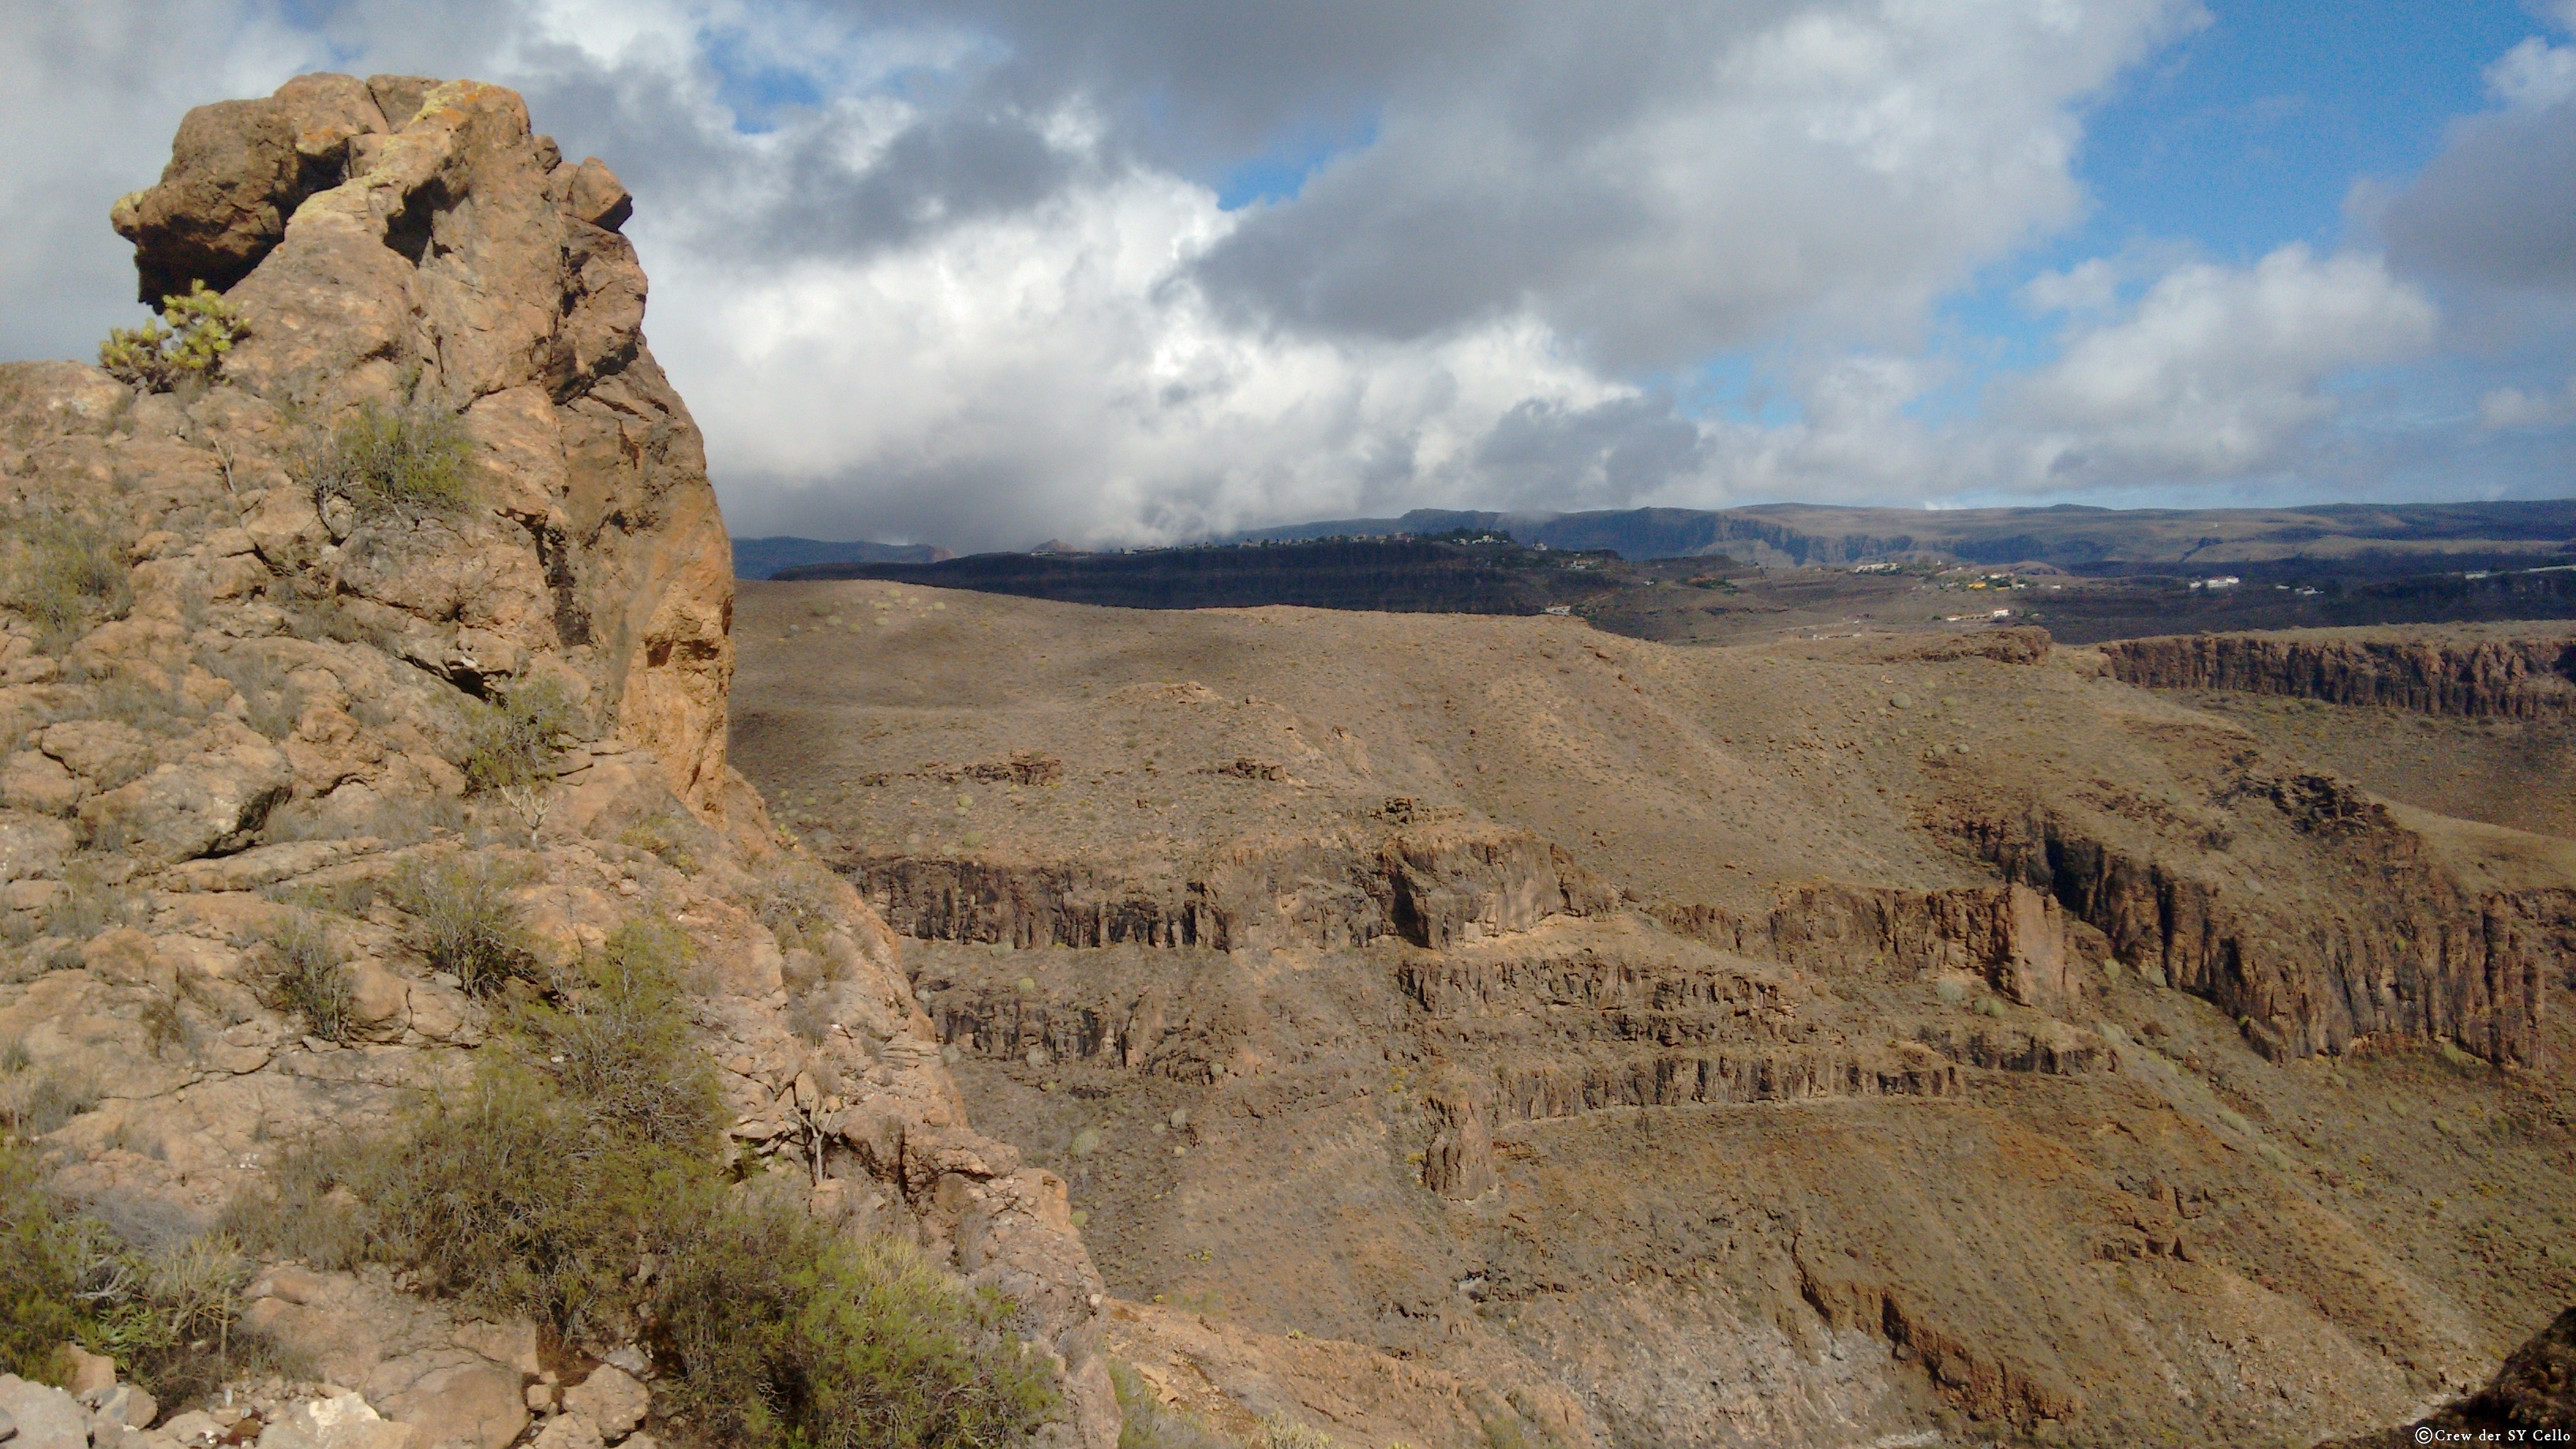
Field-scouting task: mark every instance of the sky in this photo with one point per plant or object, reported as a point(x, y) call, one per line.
point(986, 272)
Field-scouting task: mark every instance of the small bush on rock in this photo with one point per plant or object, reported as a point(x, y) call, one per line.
point(390, 462)
point(469, 924)
point(307, 980)
point(63, 569)
point(584, 1149)
point(618, 1041)
point(512, 744)
point(167, 1315)
point(186, 343)
point(787, 1333)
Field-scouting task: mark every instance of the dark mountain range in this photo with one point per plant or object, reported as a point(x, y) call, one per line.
point(2078, 539)
point(762, 558)
point(1396, 574)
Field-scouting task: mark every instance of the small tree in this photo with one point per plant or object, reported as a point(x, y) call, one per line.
point(186, 342)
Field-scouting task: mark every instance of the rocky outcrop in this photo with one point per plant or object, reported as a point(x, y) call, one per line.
point(398, 238)
point(2488, 678)
point(2405, 950)
point(2534, 1390)
point(1431, 886)
point(261, 717)
point(2015, 938)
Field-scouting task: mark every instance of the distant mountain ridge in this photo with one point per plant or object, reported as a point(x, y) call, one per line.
point(2066, 535)
point(761, 558)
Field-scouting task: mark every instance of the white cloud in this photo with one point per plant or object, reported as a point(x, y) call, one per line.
point(1056, 373)
point(2534, 75)
point(2215, 371)
point(2511, 407)
point(955, 270)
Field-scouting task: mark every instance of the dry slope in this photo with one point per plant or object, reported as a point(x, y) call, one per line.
point(1818, 1044)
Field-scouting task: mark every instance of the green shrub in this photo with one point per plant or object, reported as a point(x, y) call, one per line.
point(45, 1261)
point(786, 1333)
point(1281, 1432)
point(387, 462)
point(469, 924)
point(306, 979)
point(166, 1316)
point(186, 343)
point(64, 568)
point(584, 1147)
point(513, 743)
point(618, 1043)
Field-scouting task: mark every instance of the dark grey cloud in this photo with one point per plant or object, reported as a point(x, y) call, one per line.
point(2497, 208)
point(1551, 455)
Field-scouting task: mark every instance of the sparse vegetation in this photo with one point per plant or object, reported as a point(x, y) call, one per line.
point(1281, 1432)
point(35, 1101)
point(402, 461)
point(580, 1151)
point(1145, 1423)
point(166, 1315)
point(668, 833)
point(87, 905)
point(512, 744)
point(306, 978)
point(469, 923)
point(185, 344)
point(273, 700)
point(796, 904)
point(63, 571)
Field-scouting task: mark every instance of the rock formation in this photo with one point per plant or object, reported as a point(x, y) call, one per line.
point(2514, 677)
point(399, 238)
point(256, 704)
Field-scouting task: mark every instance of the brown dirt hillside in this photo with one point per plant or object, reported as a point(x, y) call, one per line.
point(1823, 1042)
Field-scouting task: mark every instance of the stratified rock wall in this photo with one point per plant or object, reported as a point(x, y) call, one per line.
point(1431, 886)
point(2511, 678)
point(2414, 955)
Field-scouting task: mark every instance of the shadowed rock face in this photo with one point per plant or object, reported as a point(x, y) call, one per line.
point(2515, 678)
point(401, 237)
point(2534, 1390)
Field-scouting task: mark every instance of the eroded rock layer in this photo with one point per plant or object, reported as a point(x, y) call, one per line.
point(2521, 678)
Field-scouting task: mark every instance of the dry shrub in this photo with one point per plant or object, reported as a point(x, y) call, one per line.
point(63, 570)
point(305, 978)
point(394, 462)
point(469, 924)
point(512, 744)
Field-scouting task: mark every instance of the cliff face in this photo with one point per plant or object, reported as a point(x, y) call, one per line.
point(2521, 678)
point(233, 704)
point(400, 238)
point(2411, 952)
